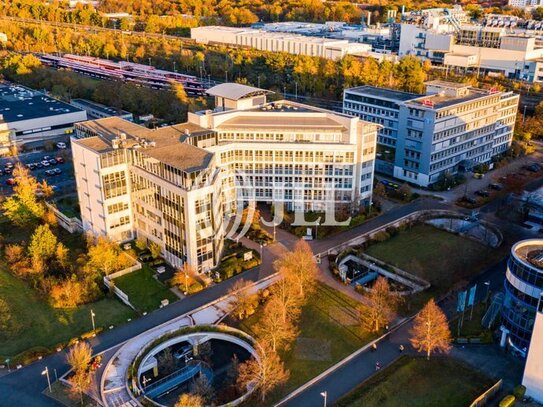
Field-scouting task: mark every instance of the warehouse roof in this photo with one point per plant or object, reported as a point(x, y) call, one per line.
point(18, 103)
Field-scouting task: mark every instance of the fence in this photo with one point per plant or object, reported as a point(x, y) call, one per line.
point(484, 398)
point(72, 225)
point(116, 290)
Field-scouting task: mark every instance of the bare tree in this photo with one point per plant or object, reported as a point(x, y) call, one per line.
point(300, 267)
point(79, 358)
point(266, 373)
point(203, 388)
point(381, 306)
point(431, 330)
point(277, 332)
point(242, 303)
point(288, 300)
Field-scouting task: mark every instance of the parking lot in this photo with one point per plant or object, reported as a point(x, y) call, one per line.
point(56, 167)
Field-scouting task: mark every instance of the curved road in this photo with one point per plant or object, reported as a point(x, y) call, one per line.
point(24, 387)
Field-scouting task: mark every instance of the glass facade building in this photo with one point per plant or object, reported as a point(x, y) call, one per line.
point(523, 286)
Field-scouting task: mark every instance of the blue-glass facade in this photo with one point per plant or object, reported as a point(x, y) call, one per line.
point(523, 285)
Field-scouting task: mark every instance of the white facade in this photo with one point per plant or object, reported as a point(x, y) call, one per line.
point(175, 185)
point(278, 42)
point(533, 371)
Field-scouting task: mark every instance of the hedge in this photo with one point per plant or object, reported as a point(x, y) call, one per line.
point(508, 401)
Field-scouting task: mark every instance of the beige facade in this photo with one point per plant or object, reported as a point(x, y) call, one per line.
point(178, 186)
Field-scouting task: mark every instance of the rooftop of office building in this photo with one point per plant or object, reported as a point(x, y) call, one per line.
point(530, 251)
point(443, 100)
point(19, 103)
point(100, 107)
point(383, 93)
point(166, 144)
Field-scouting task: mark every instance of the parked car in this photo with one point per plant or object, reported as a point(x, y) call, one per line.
point(8, 171)
point(9, 165)
point(38, 165)
point(45, 163)
point(11, 181)
point(52, 161)
point(482, 192)
point(145, 257)
point(59, 159)
point(31, 166)
point(469, 200)
point(496, 187)
point(533, 167)
point(57, 171)
point(50, 173)
point(61, 145)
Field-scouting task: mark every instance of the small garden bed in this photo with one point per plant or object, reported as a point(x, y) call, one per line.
point(233, 261)
point(143, 290)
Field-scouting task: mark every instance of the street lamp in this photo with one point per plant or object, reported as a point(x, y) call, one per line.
point(46, 373)
point(261, 252)
point(274, 232)
point(7, 362)
point(317, 229)
point(324, 395)
point(92, 319)
point(487, 283)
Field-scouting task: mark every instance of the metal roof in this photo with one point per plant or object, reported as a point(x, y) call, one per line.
point(235, 91)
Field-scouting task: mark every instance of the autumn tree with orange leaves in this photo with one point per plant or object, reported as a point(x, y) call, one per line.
point(431, 331)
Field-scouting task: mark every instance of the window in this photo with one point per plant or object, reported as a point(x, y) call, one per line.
point(114, 184)
point(117, 207)
point(123, 220)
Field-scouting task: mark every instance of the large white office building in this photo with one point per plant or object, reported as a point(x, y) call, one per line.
point(278, 41)
point(453, 127)
point(176, 185)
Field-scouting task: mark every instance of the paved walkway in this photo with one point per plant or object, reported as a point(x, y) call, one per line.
point(112, 387)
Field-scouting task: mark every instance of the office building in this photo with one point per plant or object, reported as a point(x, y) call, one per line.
point(29, 115)
point(98, 111)
point(523, 288)
point(176, 185)
point(453, 127)
point(278, 42)
point(533, 371)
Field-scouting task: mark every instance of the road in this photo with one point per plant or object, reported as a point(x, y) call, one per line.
point(24, 386)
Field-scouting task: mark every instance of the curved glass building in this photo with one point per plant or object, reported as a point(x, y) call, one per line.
point(523, 287)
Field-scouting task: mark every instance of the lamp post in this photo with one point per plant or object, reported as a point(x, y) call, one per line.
point(487, 283)
point(317, 230)
point(274, 232)
point(46, 373)
point(324, 395)
point(92, 319)
point(7, 362)
point(174, 67)
point(260, 252)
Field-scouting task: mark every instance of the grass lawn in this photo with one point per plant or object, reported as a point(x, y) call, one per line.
point(61, 393)
point(417, 382)
point(329, 331)
point(45, 326)
point(144, 292)
point(440, 257)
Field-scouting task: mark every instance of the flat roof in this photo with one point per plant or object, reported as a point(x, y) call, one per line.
point(18, 103)
point(100, 107)
point(441, 101)
point(283, 121)
point(171, 142)
point(447, 84)
point(383, 93)
point(235, 91)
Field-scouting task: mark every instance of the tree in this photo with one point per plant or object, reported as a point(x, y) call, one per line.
point(379, 191)
point(23, 207)
point(287, 298)
point(180, 93)
point(405, 192)
point(189, 400)
point(155, 249)
point(105, 256)
point(79, 358)
point(242, 303)
point(166, 362)
point(431, 331)
point(272, 329)
point(381, 306)
point(67, 294)
point(300, 267)
point(61, 255)
point(42, 247)
point(141, 243)
point(265, 373)
point(201, 387)
point(184, 277)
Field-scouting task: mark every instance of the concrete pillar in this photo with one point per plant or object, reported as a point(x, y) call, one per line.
point(503, 338)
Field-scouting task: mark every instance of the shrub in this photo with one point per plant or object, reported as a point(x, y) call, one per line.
point(507, 401)
point(381, 236)
point(392, 231)
point(519, 392)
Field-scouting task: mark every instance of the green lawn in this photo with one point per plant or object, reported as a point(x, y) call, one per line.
point(440, 257)
point(329, 331)
point(144, 292)
point(45, 326)
point(417, 382)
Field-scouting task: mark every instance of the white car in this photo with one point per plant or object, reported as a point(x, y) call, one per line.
point(61, 145)
point(45, 163)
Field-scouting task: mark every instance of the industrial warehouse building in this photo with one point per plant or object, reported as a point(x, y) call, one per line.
point(176, 185)
point(28, 115)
